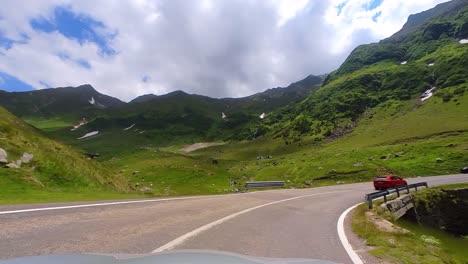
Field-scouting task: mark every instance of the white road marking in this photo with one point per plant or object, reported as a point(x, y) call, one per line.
point(178, 241)
point(127, 202)
point(97, 204)
point(344, 240)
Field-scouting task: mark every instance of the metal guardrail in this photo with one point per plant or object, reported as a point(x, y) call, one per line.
point(372, 196)
point(264, 184)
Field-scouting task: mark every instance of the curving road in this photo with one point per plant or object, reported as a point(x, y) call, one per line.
point(299, 223)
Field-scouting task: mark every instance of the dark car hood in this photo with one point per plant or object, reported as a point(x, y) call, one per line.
point(172, 257)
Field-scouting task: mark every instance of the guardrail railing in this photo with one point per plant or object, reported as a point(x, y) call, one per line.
point(264, 184)
point(375, 195)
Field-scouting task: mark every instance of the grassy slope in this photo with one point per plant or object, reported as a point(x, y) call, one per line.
point(173, 174)
point(424, 132)
point(411, 248)
point(435, 129)
point(57, 172)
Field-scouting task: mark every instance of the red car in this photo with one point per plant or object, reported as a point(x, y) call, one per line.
point(388, 181)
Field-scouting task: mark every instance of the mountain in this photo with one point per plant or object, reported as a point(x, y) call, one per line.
point(265, 101)
point(425, 57)
point(444, 11)
point(56, 171)
point(396, 106)
point(46, 103)
point(176, 117)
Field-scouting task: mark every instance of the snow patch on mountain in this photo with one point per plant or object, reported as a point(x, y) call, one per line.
point(223, 116)
point(262, 116)
point(426, 95)
point(403, 62)
point(130, 127)
point(82, 123)
point(463, 41)
point(90, 134)
point(91, 101)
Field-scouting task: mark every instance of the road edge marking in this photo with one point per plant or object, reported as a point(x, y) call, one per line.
point(180, 240)
point(344, 240)
point(97, 204)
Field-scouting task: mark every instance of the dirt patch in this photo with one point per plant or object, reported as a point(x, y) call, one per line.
point(384, 225)
point(201, 145)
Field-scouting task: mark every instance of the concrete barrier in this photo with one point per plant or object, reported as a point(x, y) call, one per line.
point(400, 205)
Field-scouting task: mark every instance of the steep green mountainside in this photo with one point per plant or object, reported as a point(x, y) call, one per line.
point(444, 11)
point(423, 34)
point(56, 172)
point(178, 118)
point(377, 73)
point(431, 139)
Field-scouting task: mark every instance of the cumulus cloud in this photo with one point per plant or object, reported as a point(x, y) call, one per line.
point(215, 48)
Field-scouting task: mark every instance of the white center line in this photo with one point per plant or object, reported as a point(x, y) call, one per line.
point(178, 241)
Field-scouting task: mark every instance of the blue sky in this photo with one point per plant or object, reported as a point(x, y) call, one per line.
point(374, 4)
point(215, 48)
point(75, 26)
point(10, 83)
point(79, 27)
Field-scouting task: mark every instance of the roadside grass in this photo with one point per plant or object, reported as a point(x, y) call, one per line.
point(418, 246)
point(452, 186)
point(56, 173)
point(20, 186)
point(19, 190)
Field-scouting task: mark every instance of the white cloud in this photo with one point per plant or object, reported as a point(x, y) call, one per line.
point(216, 48)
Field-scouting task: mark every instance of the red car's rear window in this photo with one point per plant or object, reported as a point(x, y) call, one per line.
point(381, 178)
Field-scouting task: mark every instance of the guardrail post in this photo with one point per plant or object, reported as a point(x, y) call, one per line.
point(371, 196)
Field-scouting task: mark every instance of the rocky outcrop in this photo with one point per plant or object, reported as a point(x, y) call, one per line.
point(3, 156)
point(443, 209)
point(26, 158)
point(435, 30)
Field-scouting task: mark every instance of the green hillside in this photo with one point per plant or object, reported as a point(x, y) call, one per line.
point(56, 172)
point(400, 68)
point(58, 107)
point(177, 118)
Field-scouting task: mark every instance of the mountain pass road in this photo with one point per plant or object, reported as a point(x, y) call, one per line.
point(285, 223)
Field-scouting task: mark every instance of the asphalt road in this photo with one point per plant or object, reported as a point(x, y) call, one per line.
point(298, 223)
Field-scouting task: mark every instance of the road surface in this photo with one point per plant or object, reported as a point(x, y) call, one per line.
point(298, 223)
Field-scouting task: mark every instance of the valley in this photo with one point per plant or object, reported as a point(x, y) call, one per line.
point(398, 106)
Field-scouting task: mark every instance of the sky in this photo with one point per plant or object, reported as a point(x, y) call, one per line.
point(218, 48)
